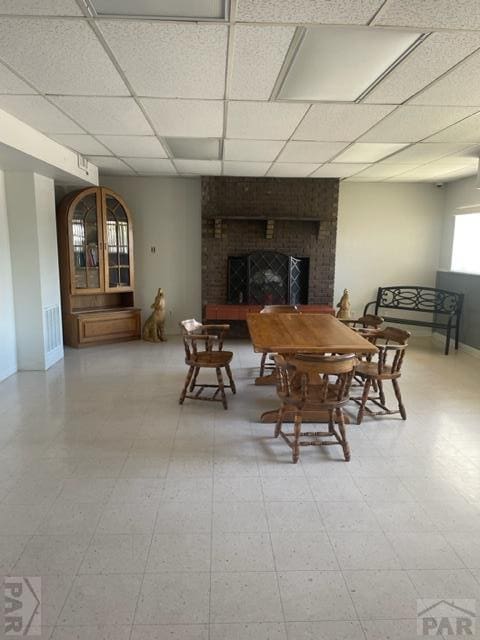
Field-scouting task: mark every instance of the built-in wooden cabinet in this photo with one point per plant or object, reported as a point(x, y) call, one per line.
point(95, 238)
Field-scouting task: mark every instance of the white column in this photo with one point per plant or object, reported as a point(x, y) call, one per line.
point(8, 347)
point(34, 255)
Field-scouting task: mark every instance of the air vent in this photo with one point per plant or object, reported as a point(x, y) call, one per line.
point(82, 162)
point(52, 327)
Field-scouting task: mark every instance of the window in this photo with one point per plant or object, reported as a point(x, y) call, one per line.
point(466, 240)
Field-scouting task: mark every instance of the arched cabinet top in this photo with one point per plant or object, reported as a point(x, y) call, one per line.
point(70, 200)
point(98, 245)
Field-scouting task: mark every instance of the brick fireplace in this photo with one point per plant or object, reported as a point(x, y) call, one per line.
point(296, 217)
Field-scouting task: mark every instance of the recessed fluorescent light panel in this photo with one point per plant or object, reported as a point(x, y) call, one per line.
point(194, 148)
point(338, 64)
point(368, 151)
point(161, 9)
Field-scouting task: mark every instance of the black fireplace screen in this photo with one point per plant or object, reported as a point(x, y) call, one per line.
point(267, 277)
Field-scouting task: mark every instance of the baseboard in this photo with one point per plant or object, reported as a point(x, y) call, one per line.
point(6, 373)
point(52, 357)
point(440, 338)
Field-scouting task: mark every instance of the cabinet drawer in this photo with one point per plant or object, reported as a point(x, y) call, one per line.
point(109, 326)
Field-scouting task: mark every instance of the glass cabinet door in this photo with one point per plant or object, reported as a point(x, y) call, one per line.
point(118, 245)
point(85, 237)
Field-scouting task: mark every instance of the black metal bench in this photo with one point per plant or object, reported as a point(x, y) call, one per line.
point(425, 299)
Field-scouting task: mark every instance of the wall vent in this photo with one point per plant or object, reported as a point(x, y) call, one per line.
point(52, 327)
point(82, 162)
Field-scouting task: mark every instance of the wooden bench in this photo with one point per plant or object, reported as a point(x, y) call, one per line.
point(422, 299)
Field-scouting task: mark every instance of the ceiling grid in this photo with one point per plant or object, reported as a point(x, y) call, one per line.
point(116, 88)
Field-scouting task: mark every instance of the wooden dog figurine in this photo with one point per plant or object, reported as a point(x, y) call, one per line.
point(344, 306)
point(154, 327)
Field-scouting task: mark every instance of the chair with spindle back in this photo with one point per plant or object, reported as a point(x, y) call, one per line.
point(211, 356)
point(314, 382)
point(391, 344)
point(274, 308)
point(364, 323)
point(367, 326)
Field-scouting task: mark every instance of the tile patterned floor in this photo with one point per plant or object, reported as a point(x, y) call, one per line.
point(150, 521)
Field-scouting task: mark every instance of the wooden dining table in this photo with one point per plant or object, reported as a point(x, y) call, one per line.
point(288, 334)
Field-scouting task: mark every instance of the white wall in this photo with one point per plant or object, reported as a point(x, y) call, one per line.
point(166, 215)
point(34, 259)
point(387, 234)
point(48, 258)
point(25, 269)
point(8, 348)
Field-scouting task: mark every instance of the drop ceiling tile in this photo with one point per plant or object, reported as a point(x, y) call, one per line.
point(185, 118)
point(84, 144)
point(245, 168)
point(252, 150)
point(409, 176)
point(425, 152)
point(340, 122)
point(319, 11)
point(40, 8)
point(454, 170)
point(439, 171)
point(39, 114)
point(338, 170)
point(410, 124)
point(251, 80)
point(151, 165)
point(467, 130)
point(170, 60)
point(430, 14)
point(436, 55)
point(201, 167)
point(368, 152)
point(10, 83)
point(263, 120)
point(134, 146)
point(291, 169)
point(456, 87)
point(380, 171)
point(299, 151)
point(452, 163)
point(111, 166)
point(59, 56)
point(472, 151)
point(106, 115)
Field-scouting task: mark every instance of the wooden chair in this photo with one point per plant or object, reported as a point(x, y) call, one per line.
point(365, 323)
point(310, 382)
point(367, 326)
point(391, 344)
point(274, 308)
point(209, 336)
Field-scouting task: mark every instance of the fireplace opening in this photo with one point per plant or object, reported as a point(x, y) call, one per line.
point(267, 277)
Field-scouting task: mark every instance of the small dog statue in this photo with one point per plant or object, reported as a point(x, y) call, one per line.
point(154, 327)
point(344, 306)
